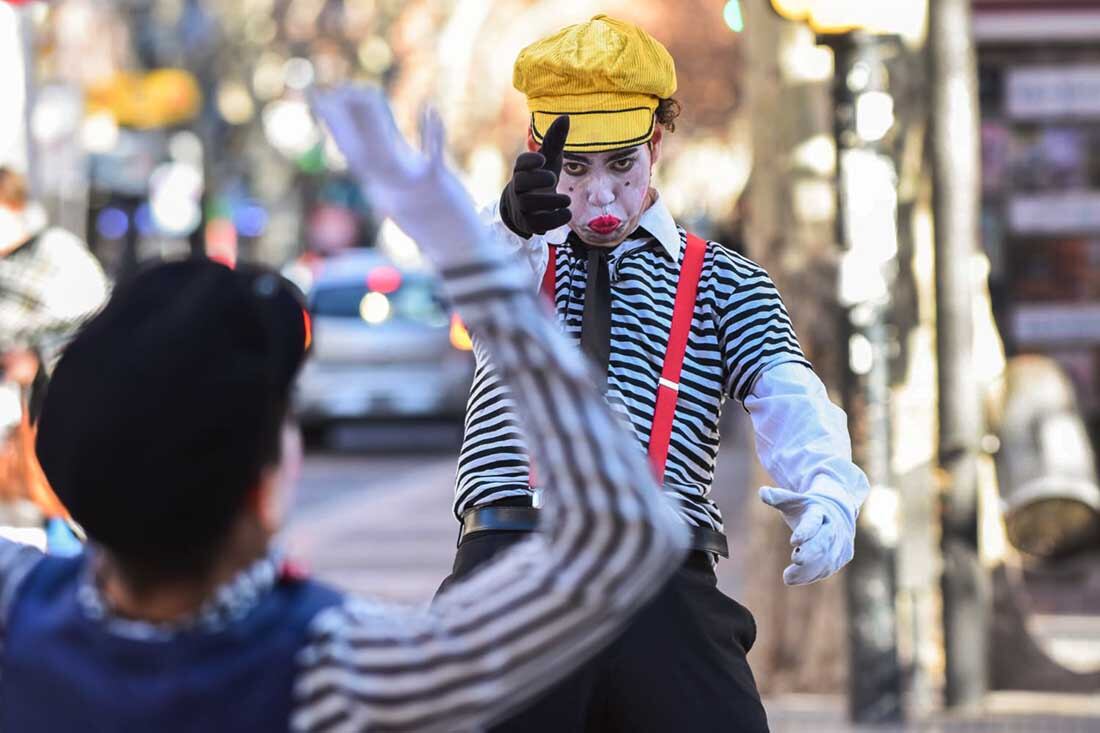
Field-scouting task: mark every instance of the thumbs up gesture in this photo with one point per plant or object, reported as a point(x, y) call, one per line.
point(530, 203)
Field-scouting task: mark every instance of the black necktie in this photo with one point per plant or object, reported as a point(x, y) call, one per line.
point(596, 318)
point(596, 321)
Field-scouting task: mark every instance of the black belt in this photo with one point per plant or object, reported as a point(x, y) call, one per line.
point(526, 519)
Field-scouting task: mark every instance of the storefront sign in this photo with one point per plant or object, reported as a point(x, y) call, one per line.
point(1044, 325)
point(1072, 212)
point(157, 98)
point(1045, 92)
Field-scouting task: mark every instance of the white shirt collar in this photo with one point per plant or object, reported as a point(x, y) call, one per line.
point(657, 221)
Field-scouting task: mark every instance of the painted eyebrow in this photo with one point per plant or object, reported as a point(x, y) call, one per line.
point(624, 154)
point(630, 152)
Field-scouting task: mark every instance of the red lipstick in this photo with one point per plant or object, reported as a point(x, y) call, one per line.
point(604, 224)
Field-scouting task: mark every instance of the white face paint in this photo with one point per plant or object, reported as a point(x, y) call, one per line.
point(609, 192)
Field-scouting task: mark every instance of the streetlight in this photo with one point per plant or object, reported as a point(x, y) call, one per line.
point(905, 18)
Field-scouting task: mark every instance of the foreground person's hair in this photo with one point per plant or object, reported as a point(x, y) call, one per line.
point(167, 407)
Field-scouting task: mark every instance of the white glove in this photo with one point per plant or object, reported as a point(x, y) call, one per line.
point(414, 188)
point(823, 544)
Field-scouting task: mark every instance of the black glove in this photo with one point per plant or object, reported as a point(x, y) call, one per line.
point(530, 204)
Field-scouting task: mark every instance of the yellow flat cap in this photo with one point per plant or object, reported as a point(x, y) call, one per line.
point(607, 75)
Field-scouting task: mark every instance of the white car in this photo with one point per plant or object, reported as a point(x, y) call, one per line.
point(385, 345)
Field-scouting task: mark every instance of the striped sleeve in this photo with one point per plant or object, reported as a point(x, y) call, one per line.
point(491, 643)
point(755, 329)
point(532, 251)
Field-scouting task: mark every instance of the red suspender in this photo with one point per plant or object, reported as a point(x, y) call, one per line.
point(550, 277)
point(669, 386)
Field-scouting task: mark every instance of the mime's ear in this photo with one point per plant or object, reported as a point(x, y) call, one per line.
point(655, 143)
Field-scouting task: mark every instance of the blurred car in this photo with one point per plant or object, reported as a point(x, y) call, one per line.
point(385, 345)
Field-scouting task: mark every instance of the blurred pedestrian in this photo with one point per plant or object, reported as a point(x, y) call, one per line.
point(674, 326)
point(166, 433)
point(49, 283)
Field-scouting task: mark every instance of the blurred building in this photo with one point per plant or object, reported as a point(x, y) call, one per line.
point(1040, 104)
point(1039, 85)
point(182, 125)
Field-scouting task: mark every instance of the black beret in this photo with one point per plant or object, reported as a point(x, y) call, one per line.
point(167, 405)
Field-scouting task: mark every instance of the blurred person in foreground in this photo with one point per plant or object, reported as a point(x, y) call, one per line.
point(674, 327)
point(49, 283)
point(165, 431)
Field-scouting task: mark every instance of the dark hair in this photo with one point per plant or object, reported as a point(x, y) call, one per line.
point(167, 407)
point(13, 189)
point(667, 112)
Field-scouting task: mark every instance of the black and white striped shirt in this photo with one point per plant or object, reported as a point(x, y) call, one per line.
point(490, 643)
point(740, 328)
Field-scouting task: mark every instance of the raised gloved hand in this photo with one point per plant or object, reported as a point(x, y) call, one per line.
point(530, 203)
point(414, 188)
point(823, 542)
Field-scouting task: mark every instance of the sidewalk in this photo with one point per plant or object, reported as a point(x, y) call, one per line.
point(1002, 712)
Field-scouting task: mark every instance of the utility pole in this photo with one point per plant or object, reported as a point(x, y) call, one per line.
point(955, 158)
point(867, 182)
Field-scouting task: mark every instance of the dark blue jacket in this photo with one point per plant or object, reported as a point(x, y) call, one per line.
point(62, 672)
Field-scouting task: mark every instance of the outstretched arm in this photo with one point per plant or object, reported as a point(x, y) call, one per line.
point(609, 540)
point(802, 440)
point(801, 436)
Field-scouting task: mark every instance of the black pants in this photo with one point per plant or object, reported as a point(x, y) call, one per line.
point(679, 666)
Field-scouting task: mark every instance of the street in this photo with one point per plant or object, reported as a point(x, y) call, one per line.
point(373, 513)
point(373, 509)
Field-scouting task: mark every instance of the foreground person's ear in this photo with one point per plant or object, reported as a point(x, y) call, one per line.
point(263, 503)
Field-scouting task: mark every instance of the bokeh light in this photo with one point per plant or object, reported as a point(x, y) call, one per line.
point(175, 216)
point(235, 103)
point(384, 279)
point(250, 219)
point(289, 127)
point(298, 73)
point(374, 308)
point(143, 220)
point(112, 223)
point(99, 133)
